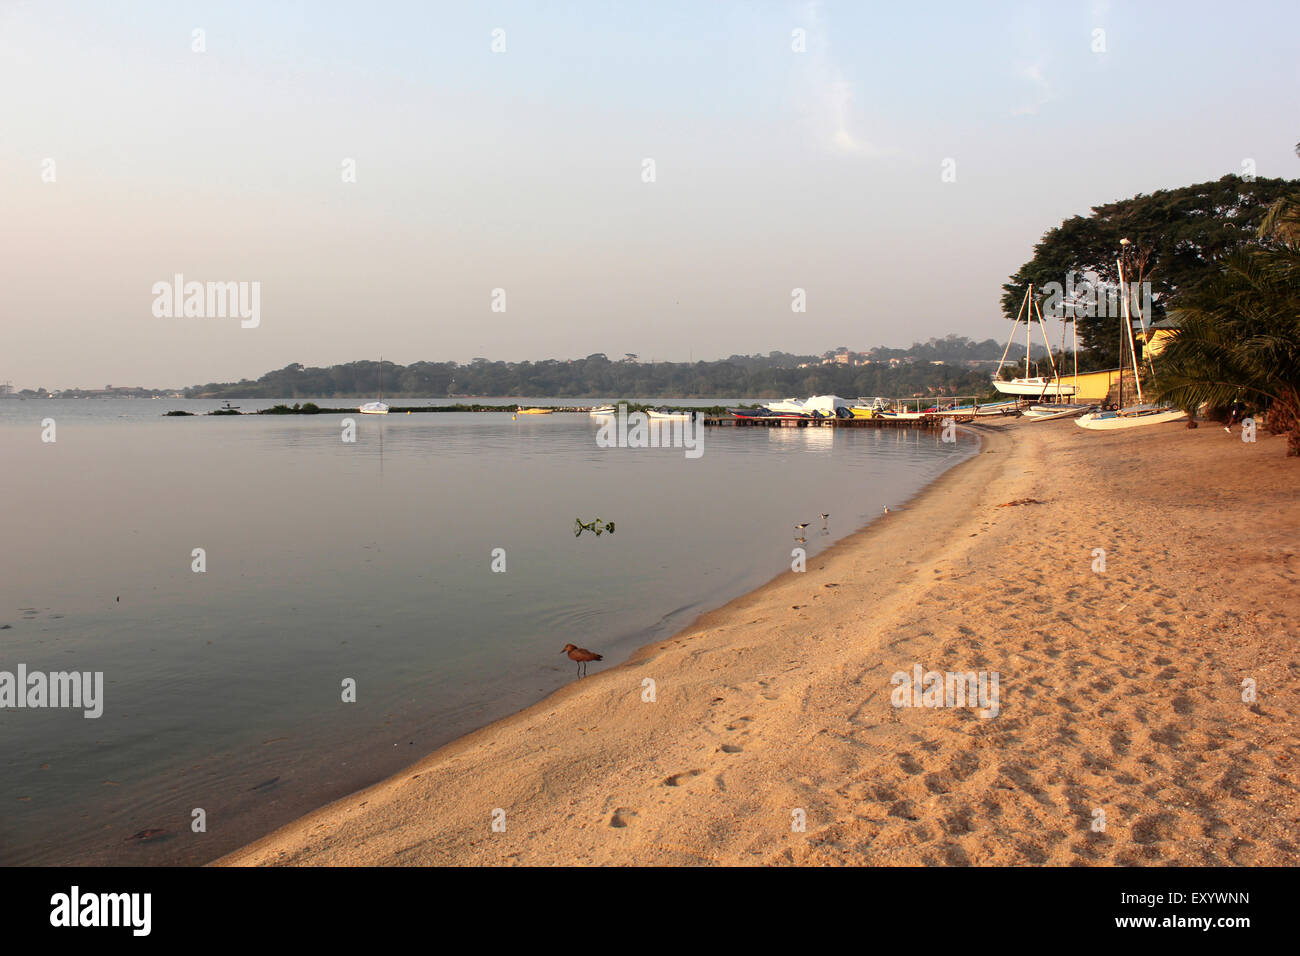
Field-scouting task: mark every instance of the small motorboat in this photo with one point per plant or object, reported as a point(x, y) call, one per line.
point(669, 414)
point(373, 408)
point(791, 406)
point(535, 411)
point(603, 410)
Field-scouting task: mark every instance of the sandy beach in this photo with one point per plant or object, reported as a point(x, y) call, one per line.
point(1120, 734)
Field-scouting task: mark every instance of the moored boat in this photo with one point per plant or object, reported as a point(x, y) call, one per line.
point(790, 406)
point(373, 408)
point(535, 411)
point(669, 414)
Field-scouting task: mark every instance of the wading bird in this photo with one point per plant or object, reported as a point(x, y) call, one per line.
point(582, 656)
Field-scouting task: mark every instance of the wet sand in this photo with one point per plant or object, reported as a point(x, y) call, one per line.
point(1120, 737)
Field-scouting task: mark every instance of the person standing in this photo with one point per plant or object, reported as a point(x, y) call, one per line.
point(1236, 412)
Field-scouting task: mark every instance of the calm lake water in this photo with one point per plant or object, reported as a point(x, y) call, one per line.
point(372, 560)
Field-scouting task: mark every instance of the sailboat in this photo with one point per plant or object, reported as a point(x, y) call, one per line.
point(1141, 413)
point(1050, 411)
point(1036, 386)
point(376, 408)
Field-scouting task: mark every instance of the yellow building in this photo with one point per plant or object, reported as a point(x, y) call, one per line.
point(1095, 386)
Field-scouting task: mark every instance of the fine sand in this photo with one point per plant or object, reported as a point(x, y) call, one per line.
point(1121, 735)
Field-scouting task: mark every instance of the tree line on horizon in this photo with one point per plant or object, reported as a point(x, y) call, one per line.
point(772, 375)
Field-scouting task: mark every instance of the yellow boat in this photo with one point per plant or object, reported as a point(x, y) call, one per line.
point(536, 411)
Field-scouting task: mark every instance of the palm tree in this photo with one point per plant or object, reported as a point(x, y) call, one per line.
point(1239, 336)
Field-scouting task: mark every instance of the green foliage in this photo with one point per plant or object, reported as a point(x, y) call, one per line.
point(1240, 339)
point(1179, 237)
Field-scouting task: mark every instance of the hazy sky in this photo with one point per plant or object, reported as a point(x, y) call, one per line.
point(523, 170)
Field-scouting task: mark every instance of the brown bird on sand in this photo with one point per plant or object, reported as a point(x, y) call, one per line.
point(582, 656)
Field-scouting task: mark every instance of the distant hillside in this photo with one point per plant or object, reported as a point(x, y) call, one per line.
point(941, 366)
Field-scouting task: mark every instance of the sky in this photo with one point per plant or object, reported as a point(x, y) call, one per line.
point(379, 169)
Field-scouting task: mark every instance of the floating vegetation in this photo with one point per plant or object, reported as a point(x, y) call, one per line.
point(596, 526)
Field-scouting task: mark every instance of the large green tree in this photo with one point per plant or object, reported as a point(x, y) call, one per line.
point(1239, 331)
point(1178, 236)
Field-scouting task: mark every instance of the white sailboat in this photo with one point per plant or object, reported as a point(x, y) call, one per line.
point(376, 408)
point(1029, 385)
point(1141, 413)
point(1051, 411)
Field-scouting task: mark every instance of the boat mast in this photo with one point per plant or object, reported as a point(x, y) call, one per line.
point(1012, 337)
point(1128, 324)
point(1029, 321)
point(1051, 362)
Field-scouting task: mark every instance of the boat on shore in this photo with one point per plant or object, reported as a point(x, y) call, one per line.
point(603, 410)
point(1038, 387)
point(1132, 416)
point(668, 414)
point(1035, 386)
point(1047, 413)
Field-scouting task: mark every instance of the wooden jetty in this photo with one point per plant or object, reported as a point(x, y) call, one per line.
point(927, 420)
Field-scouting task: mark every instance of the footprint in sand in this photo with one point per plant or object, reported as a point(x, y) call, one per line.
point(622, 816)
point(909, 764)
point(677, 779)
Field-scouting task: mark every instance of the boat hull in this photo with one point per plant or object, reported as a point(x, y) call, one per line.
point(1046, 413)
point(1037, 387)
point(1106, 421)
